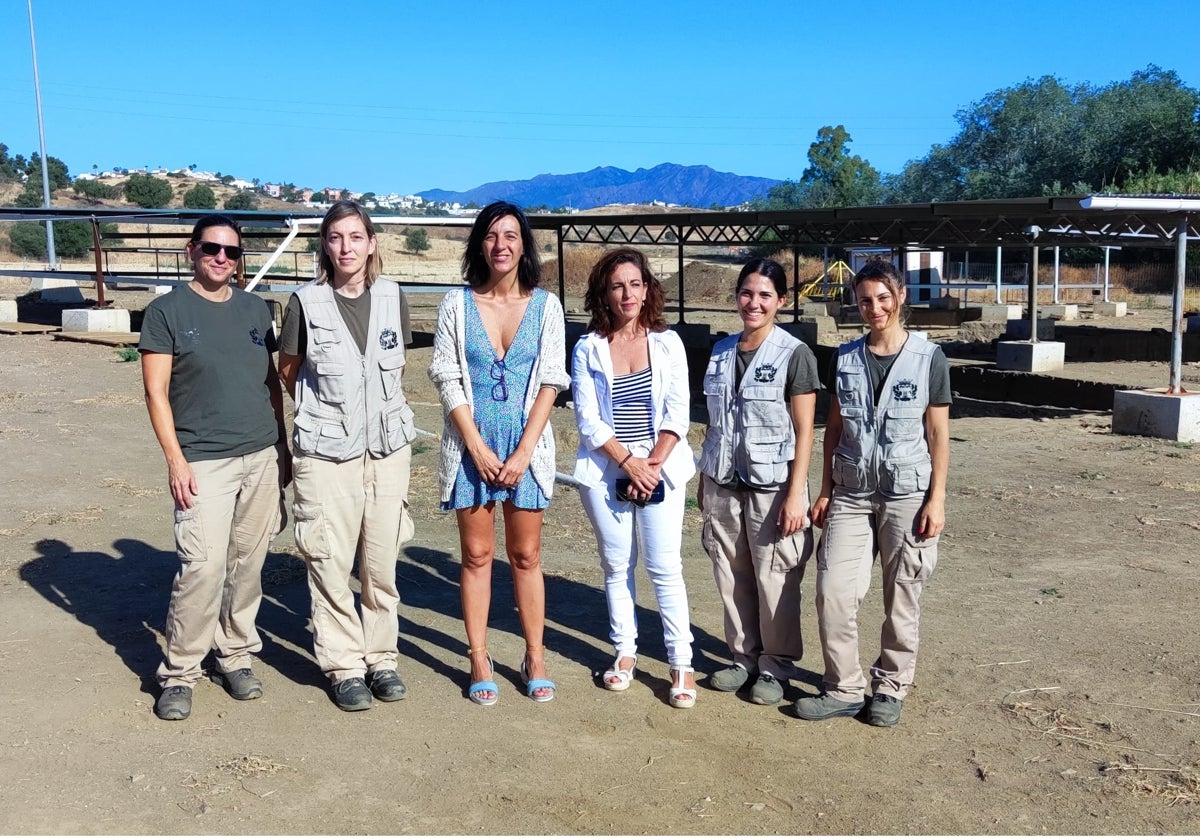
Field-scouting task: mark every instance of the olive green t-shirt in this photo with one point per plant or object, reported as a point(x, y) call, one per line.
point(220, 357)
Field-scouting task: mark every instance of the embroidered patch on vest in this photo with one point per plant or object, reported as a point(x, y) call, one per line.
point(387, 339)
point(256, 337)
point(905, 390)
point(765, 373)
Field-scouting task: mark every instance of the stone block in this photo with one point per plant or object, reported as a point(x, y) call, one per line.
point(1030, 357)
point(1060, 311)
point(1155, 413)
point(994, 312)
point(8, 311)
point(1192, 324)
point(980, 331)
point(1018, 329)
point(944, 302)
point(95, 320)
point(1110, 309)
point(162, 290)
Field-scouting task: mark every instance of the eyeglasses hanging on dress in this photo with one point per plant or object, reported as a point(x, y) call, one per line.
point(500, 386)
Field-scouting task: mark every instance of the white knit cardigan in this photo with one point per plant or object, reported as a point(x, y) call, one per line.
point(448, 370)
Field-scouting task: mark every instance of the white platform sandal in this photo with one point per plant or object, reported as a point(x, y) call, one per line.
point(680, 695)
point(617, 678)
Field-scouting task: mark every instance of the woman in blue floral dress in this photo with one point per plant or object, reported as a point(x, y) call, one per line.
point(499, 362)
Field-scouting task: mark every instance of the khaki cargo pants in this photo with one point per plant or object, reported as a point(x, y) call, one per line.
point(855, 530)
point(343, 511)
point(222, 542)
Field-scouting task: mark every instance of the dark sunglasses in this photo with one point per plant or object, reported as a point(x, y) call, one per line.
point(211, 249)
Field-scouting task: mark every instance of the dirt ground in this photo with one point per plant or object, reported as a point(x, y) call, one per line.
point(1057, 691)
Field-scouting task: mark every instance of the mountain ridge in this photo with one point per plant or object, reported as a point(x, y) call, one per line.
point(670, 183)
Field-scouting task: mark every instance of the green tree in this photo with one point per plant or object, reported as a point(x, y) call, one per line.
point(148, 191)
point(833, 177)
point(71, 239)
point(416, 240)
point(200, 197)
point(9, 171)
point(241, 201)
point(287, 192)
point(93, 188)
point(320, 197)
point(59, 177)
point(367, 199)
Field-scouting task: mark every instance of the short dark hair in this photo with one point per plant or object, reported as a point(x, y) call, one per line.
point(602, 321)
point(340, 210)
point(770, 269)
point(215, 220)
point(475, 267)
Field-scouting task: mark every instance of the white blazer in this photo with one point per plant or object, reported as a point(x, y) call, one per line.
point(591, 389)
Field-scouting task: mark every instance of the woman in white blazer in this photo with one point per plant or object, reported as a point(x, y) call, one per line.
point(630, 387)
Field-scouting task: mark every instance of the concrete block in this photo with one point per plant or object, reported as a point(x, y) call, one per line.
point(162, 290)
point(1030, 357)
point(1111, 309)
point(1155, 413)
point(944, 302)
point(993, 312)
point(95, 320)
point(980, 331)
point(1018, 329)
point(8, 311)
point(1061, 311)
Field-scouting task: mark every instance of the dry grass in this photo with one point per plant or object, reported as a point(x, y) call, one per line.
point(110, 399)
point(251, 766)
point(91, 513)
point(129, 490)
point(1173, 785)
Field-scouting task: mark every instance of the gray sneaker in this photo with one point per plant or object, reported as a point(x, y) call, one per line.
point(241, 684)
point(386, 685)
point(729, 679)
point(767, 691)
point(352, 695)
point(175, 703)
point(884, 710)
point(824, 707)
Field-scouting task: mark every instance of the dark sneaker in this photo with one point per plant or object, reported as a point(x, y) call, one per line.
point(824, 707)
point(352, 695)
point(884, 710)
point(175, 703)
point(767, 691)
point(386, 685)
point(241, 684)
point(729, 679)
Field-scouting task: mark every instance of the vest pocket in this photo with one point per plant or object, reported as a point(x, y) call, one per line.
point(762, 405)
point(398, 427)
point(767, 460)
point(390, 369)
point(847, 474)
point(901, 478)
point(320, 434)
point(903, 425)
point(331, 382)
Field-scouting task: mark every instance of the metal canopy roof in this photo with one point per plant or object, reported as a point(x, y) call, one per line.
point(1063, 220)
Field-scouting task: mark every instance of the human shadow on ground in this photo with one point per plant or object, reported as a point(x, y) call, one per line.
point(124, 596)
point(429, 581)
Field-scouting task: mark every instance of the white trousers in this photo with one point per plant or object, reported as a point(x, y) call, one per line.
point(624, 532)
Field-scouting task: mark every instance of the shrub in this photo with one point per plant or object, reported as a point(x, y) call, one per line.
point(92, 188)
point(241, 201)
point(148, 191)
point(200, 197)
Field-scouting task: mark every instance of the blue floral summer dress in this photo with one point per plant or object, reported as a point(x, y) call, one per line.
point(498, 388)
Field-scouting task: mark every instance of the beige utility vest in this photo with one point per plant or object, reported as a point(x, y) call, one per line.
point(883, 446)
point(750, 431)
point(347, 402)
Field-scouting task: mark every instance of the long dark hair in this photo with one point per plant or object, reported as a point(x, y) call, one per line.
point(597, 290)
point(475, 267)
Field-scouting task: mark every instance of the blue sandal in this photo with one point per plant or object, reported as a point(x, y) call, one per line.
point(535, 685)
point(478, 688)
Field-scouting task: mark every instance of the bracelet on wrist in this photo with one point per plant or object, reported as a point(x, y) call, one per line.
point(626, 458)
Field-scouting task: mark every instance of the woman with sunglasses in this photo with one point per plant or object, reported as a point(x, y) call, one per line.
point(499, 362)
point(217, 410)
point(883, 490)
point(761, 389)
point(629, 380)
point(342, 358)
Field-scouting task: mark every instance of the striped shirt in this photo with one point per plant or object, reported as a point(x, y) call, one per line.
point(632, 407)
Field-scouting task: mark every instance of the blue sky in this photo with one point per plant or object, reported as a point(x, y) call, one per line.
point(406, 96)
